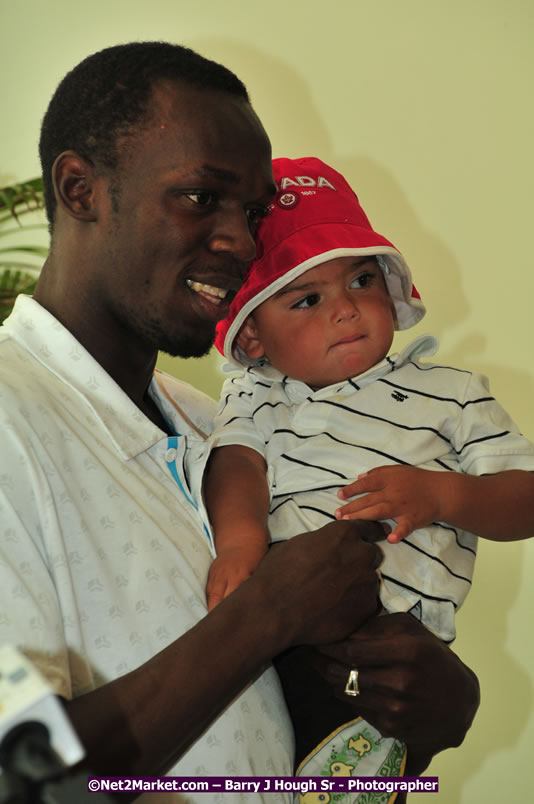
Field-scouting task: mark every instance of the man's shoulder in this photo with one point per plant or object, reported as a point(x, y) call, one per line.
point(24, 346)
point(16, 363)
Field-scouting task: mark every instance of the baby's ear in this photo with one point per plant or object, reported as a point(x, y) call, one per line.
point(249, 341)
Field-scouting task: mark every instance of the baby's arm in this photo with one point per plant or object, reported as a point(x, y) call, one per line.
point(237, 499)
point(497, 507)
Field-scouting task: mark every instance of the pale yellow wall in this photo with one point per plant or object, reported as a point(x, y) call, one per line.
point(426, 106)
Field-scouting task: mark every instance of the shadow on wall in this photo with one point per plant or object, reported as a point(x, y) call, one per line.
point(506, 687)
point(297, 129)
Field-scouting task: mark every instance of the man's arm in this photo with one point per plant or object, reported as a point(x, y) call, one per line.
point(310, 590)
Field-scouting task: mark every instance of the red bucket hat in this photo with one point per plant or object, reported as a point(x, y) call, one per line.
point(315, 217)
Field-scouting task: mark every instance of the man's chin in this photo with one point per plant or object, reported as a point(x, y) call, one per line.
point(188, 348)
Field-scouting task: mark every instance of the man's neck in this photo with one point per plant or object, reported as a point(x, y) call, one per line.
point(131, 365)
point(151, 410)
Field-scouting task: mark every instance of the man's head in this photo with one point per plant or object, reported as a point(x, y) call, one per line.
point(106, 98)
point(160, 172)
point(316, 221)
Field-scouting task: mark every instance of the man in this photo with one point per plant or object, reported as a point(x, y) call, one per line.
point(156, 169)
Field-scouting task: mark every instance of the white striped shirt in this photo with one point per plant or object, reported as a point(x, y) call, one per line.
point(401, 411)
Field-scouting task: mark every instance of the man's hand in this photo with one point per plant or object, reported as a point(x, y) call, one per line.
point(410, 496)
point(230, 569)
point(412, 686)
point(322, 584)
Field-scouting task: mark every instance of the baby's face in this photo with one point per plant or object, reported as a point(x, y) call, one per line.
point(333, 322)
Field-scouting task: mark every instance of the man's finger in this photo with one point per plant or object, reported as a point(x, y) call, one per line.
point(374, 534)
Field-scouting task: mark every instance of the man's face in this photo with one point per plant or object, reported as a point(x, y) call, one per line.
point(178, 234)
point(333, 322)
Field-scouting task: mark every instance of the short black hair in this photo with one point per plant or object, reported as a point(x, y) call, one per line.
point(109, 92)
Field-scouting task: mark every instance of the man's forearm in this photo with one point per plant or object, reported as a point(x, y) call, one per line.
point(143, 722)
point(316, 587)
point(452, 733)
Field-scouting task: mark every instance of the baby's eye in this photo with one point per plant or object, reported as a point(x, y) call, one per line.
point(307, 301)
point(362, 280)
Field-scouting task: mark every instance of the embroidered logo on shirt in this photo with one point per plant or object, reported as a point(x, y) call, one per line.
point(398, 397)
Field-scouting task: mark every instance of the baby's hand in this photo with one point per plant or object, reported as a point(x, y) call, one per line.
point(409, 495)
point(229, 570)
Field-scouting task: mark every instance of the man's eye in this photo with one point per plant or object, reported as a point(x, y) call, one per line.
point(307, 301)
point(255, 214)
point(201, 199)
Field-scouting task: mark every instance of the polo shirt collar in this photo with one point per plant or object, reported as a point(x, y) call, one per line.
point(40, 334)
point(423, 346)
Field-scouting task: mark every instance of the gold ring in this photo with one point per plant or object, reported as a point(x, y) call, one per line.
point(351, 687)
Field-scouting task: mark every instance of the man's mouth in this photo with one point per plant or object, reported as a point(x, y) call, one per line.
point(210, 292)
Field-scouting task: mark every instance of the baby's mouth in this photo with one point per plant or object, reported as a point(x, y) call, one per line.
point(349, 339)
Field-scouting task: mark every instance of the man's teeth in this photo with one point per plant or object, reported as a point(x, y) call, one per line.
point(212, 293)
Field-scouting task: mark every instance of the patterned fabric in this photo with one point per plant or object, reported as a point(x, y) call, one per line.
point(103, 555)
point(401, 411)
point(354, 749)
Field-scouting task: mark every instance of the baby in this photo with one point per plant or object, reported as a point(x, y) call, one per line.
point(322, 414)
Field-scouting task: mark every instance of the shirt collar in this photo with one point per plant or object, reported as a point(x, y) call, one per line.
point(423, 346)
point(40, 334)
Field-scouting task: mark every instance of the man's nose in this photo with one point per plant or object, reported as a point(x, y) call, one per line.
point(232, 234)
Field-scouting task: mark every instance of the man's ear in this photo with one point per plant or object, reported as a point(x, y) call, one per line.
point(73, 179)
point(249, 341)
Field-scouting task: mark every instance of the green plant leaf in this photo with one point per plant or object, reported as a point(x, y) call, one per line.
point(11, 284)
point(22, 197)
point(19, 276)
point(40, 251)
